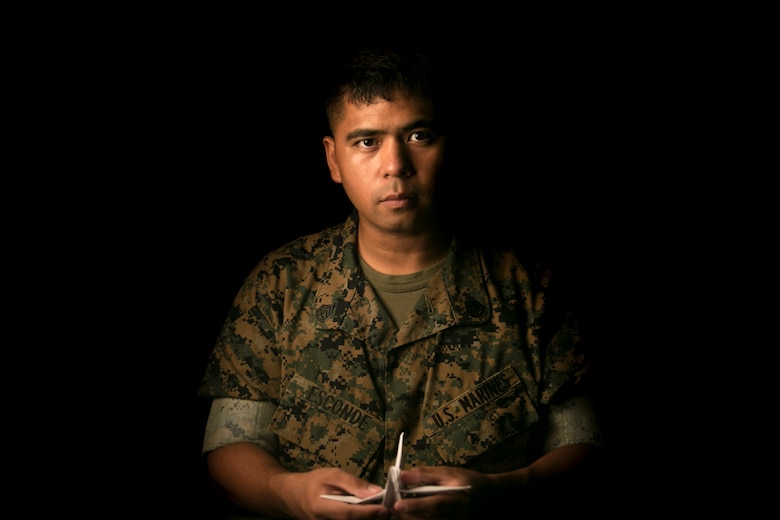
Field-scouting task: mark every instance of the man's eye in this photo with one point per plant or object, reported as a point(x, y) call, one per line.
point(367, 143)
point(420, 135)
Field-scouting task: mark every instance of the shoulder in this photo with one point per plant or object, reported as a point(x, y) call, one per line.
point(308, 247)
point(308, 253)
point(506, 261)
point(560, 278)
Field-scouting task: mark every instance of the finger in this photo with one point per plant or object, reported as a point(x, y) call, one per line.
point(426, 475)
point(439, 506)
point(344, 483)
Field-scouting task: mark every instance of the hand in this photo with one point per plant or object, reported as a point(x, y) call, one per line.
point(306, 503)
point(456, 505)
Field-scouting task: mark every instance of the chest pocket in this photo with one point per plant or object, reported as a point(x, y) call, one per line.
point(322, 427)
point(480, 419)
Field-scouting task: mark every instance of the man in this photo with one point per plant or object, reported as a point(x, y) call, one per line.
point(392, 323)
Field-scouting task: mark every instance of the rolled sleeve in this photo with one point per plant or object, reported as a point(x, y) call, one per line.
point(240, 420)
point(573, 422)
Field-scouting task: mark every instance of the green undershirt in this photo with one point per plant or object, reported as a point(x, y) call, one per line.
point(399, 293)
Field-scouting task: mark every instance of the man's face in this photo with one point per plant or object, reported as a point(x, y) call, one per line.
point(387, 156)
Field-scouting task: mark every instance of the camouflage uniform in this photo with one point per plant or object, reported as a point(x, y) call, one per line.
point(467, 377)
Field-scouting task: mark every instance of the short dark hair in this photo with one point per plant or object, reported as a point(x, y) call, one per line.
point(382, 71)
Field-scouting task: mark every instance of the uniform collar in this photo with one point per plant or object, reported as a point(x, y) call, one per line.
point(345, 300)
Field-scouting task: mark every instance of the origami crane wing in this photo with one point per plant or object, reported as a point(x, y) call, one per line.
point(393, 490)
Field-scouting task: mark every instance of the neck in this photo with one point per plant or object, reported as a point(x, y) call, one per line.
point(398, 254)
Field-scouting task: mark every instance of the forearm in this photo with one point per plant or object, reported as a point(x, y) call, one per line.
point(561, 472)
point(250, 477)
point(564, 462)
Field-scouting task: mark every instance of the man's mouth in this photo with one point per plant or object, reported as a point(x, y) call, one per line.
point(395, 196)
point(397, 200)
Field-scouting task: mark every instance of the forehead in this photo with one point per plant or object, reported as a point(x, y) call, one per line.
point(383, 113)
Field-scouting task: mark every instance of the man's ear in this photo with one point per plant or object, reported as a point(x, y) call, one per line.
point(330, 155)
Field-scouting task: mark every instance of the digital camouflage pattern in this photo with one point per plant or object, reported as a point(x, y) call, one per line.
point(466, 378)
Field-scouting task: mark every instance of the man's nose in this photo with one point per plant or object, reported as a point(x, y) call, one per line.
point(395, 159)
